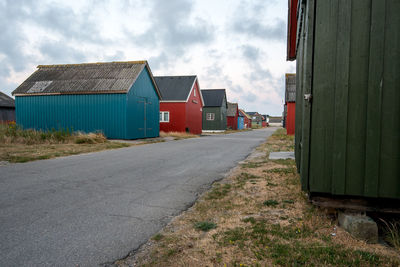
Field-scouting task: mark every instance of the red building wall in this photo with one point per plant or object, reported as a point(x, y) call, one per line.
point(290, 118)
point(232, 122)
point(184, 115)
point(177, 116)
point(194, 108)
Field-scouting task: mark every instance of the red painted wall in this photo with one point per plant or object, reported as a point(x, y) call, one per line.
point(264, 124)
point(184, 115)
point(177, 116)
point(290, 118)
point(292, 30)
point(194, 110)
point(232, 122)
point(247, 121)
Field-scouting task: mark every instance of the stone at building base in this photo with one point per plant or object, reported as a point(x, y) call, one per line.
point(360, 226)
point(281, 155)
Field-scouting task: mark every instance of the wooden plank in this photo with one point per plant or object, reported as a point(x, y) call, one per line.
point(341, 97)
point(374, 104)
point(307, 66)
point(356, 204)
point(357, 97)
point(390, 123)
point(323, 96)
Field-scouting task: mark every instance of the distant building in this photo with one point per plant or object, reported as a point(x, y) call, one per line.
point(181, 105)
point(119, 99)
point(7, 108)
point(246, 119)
point(256, 119)
point(232, 116)
point(214, 110)
point(290, 103)
point(275, 120)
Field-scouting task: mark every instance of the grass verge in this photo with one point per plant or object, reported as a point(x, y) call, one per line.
point(262, 218)
point(18, 145)
point(178, 135)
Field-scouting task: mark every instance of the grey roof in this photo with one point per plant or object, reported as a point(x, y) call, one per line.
point(213, 97)
point(6, 101)
point(253, 113)
point(89, 78)
point(290, 91)
point(232, 109)
point(175, 87)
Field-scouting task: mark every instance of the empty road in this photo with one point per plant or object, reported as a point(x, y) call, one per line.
point(90, 209)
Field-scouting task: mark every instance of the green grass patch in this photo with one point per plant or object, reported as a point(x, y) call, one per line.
point(219, 191)
point(205, 226)
point(158, 237)
point(270, 203)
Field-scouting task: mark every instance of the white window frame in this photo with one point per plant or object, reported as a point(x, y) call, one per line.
point(210, 116)
point(162, 116)
point(194, 92)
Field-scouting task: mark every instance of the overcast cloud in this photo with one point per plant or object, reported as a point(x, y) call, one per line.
point(237, 45)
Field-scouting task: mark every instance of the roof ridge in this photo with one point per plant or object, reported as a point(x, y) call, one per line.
point(93, 64)
point(161, 76)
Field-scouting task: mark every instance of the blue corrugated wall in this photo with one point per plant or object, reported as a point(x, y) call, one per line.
point(118, 116)
point(143, 108)
point(240, 123)
point(86, 113)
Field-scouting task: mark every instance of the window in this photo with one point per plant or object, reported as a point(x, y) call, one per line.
point(164, 116)
point(210, 116)
point(194, 92)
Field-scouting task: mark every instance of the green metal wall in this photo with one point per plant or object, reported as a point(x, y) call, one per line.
point(348, 137)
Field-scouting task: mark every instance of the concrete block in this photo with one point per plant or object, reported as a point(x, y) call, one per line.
point(281, 155)
point(360, 226)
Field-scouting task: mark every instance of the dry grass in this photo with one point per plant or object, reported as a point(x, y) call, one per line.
point(18, 145)
point(178, 135)
point(259, 217)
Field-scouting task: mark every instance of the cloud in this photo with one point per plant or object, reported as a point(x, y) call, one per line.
point(250, 52)
point(249, 20)
point(173, 31)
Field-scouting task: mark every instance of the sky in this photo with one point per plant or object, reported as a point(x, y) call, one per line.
point(238, 45)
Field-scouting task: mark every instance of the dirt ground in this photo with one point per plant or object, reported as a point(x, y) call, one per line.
point(258, 216)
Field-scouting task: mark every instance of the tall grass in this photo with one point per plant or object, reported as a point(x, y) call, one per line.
point(13, 134)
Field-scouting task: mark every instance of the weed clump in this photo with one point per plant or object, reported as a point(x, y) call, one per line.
point(205, 226)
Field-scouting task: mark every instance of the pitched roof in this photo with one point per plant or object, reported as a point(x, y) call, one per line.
point(6, 101)
point(87, 78)
point(241, 111)
point(232, 109)
point(213, 97)
point(290, 91)
point(175, 87)
point(253, 113)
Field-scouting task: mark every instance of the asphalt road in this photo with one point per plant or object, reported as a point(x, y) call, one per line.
point(95, 208)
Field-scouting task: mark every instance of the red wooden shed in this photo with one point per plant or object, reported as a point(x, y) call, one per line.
point(290, 103)
point(181, 105)
point(232, 115)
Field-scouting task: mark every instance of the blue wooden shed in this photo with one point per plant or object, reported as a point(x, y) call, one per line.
point(240, 122)
point(119, 99)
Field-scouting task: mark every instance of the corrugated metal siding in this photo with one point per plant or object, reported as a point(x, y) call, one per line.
point(86, 113)
point(355, 128)
point(143, 118)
